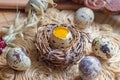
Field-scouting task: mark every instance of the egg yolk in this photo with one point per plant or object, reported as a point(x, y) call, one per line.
point(61, 32)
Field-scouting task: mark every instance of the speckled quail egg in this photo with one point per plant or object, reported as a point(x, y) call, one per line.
point(61, 37)
point(83, 17)
point(37, 5)
point(90, 68)
point(18, 59)
point(104, 47)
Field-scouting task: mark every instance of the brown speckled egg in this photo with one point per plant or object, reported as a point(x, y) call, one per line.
point(103, 47)
point(17, 59)
point(90, 68)
point(83, 17)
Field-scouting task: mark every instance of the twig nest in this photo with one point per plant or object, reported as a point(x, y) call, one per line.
point(90, 68)
point(61, 37)
point(37, 5)
point(104, 47)
point(18, 59)
point(83, 17)
point(60, 57)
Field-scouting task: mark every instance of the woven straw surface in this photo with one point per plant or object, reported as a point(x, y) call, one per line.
point(39, 71)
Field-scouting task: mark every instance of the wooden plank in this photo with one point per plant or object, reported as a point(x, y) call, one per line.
point(7, 17)
point(13, 4)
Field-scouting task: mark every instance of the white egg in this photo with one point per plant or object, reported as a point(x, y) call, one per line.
point(18, 59)
point(90, 68)
point(83, 17)
point(104, 47)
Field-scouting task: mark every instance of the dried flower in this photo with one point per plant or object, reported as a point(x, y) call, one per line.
point(2, 45)
point(17, 29)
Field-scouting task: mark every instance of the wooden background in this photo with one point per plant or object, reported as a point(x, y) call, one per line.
point(7, 16)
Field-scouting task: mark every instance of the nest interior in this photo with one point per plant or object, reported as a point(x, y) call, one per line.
point(106, 25)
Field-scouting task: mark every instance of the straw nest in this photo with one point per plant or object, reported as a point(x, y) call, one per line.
point(39, 71)
point(62, 57)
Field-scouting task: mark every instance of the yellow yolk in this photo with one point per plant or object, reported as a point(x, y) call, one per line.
point(61, 32)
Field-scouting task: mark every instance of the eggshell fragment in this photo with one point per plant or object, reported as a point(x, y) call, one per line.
point(62, 38)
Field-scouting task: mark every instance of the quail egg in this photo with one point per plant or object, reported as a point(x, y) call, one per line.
point(18, 59)
point(83, 17)
point(61, 37)
point(103, 47)
point(37, 5)
point(90, 68)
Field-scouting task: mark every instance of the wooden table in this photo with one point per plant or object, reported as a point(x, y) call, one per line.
point(7, 16)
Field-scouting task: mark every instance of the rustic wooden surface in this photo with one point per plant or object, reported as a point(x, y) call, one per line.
point(13, 4)
point(7, 16)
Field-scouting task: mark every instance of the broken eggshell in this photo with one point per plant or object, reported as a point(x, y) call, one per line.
point(89, 68)
point(84, 16)
point(104, 47)
point(61, 37)
point(17, 59)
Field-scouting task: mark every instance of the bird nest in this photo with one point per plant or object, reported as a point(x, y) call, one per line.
point(61, 57)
